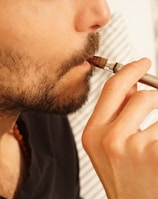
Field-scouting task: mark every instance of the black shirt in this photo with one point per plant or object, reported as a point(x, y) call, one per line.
point(54, 168)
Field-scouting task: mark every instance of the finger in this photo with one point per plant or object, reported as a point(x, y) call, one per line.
point(151, 138)
point(128, 96)
point(152, 131)
point(116, 90)
point(136, 110)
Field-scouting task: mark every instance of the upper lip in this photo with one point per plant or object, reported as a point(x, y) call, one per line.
point(86, 58)
point(89, 59)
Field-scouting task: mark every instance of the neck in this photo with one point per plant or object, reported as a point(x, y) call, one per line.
point(7, 121)
point(11, 161)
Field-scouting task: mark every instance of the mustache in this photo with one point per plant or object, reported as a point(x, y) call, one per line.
point(91, 47)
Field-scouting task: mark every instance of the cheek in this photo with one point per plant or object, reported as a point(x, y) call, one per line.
point(40, 30)
point(75, 80)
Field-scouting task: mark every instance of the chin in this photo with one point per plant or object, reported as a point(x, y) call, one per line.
point(71, 104)
point(61, 100)
point(72, 99)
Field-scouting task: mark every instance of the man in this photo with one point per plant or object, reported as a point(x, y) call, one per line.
point(135, 41)
point(43, 53)
point(44, 46)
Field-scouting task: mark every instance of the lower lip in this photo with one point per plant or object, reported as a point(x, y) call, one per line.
point(85, 64)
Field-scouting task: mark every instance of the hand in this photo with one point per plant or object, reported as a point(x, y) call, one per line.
point(125, 157)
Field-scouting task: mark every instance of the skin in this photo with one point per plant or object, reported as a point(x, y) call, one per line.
point(124, 156)
point(44, 45)
point(31, 44)
point(38, 63)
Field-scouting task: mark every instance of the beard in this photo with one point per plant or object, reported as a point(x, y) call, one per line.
point(43, 93)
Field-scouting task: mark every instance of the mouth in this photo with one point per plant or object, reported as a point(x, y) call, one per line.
point(90, 60)
point(84, 61)
point(90, 49)
point(86, 64)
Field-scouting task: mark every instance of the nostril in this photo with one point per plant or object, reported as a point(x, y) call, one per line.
point(95, 27)
point(102, 18)
point(101, 13)
point(93, 16)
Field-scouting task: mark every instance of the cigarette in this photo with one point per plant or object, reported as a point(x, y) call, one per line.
point(114, 67)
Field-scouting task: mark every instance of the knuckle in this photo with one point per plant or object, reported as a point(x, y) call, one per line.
point(86, 140)
point(142, 94)
point(113, 83)
point(147, 97)
point(112, 145)
point(135, 145)
point(152, 150)
point(138, 150)
point(90, 138)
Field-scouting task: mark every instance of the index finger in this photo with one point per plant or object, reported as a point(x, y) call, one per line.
point(116, 90)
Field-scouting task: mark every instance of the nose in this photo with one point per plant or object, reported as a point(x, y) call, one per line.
point(92, 15)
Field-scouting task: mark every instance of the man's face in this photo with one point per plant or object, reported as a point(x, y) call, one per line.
point(44, 45)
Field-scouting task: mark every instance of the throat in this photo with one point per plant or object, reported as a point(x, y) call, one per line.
point(13, 163)
point(9, 181)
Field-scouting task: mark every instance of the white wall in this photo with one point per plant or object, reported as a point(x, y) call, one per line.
point(138, 15)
